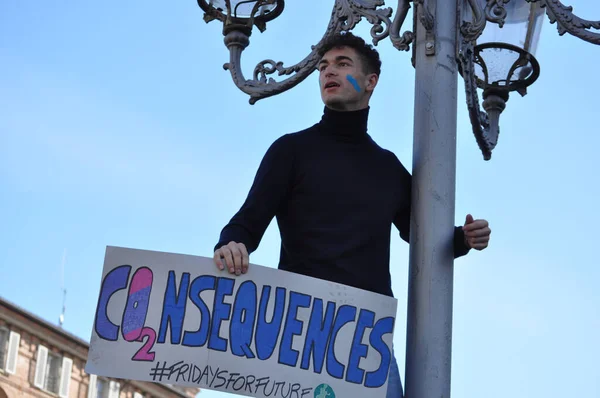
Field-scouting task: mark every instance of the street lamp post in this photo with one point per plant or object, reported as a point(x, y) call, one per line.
point(430, 281)
point(491, 43)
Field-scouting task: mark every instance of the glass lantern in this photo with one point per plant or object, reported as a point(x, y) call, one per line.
point(505, 51)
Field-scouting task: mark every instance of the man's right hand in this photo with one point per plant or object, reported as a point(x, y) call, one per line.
point(234, 256)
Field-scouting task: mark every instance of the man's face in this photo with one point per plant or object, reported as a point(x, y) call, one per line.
point(343, 82)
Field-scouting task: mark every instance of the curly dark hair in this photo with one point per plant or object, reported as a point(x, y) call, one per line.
point(370, 57)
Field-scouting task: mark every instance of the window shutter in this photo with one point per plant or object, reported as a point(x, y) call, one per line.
point(13, 352)
point(40, 366)
point(92, 387)
point(114, 390)
point(65, 377)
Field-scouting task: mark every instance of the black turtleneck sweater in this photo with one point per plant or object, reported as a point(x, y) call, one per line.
point(335, 194)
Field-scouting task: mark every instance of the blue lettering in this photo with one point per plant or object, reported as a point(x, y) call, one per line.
point(174, 308)
point(345, 314)
point(355, 374)
point(114, 281)
point(378, 377)
point(242, 321)
point(317, 335)
point(293, 327)
point(199, 337)
point(221, 312)
point(267, 333)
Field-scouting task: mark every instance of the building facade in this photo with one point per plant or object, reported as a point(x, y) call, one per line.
point(39, 359)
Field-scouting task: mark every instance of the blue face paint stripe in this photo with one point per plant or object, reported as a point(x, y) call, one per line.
point(353, 81)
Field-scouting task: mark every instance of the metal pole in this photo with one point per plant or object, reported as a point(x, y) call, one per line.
point(430, 290)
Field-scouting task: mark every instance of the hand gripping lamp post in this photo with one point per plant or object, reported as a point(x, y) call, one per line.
point(492, 44)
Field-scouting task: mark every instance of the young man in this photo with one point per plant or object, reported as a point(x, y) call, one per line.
point(334, 192)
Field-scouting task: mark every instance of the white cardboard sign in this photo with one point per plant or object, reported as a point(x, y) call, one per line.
point(177, 319)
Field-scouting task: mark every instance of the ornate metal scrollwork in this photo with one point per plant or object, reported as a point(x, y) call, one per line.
point(495, 11)
point(485, 128)
point(350, 12)
point(472, 30)
point(401, 42)
point(479, 119)
point(345, 16)
point(567, 22)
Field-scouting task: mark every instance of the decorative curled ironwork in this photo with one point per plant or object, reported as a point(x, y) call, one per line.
point(472, 30)
point(479, 119)
point(425, 15)
point(345, 16)
point(495, 11)
point(567, 22)
point(350, 13)
point(401, 42)
point(485, 123)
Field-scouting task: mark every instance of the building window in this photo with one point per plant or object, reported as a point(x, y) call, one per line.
point(9, 350)
point(103, 388)
point(3, 347)
point(53, 372)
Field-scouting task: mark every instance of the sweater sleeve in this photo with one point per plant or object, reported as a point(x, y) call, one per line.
point(402, 219)
point(270, 186)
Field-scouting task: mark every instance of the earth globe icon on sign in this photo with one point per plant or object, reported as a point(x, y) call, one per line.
point(324, 391)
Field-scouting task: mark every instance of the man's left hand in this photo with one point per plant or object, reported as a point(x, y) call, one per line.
point(477, 233)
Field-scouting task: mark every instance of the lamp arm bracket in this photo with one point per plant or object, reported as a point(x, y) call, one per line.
point(345, 16)
point(401, 41)
point(567, 22)
point(472, 30)
point(486, 139)
point(427, 19)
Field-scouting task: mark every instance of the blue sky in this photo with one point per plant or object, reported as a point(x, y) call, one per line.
point(118, 126)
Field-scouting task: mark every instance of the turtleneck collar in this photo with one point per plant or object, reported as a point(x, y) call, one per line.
point(345, 124)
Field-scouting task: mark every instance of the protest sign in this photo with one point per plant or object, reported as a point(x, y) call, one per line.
point(177, 319)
